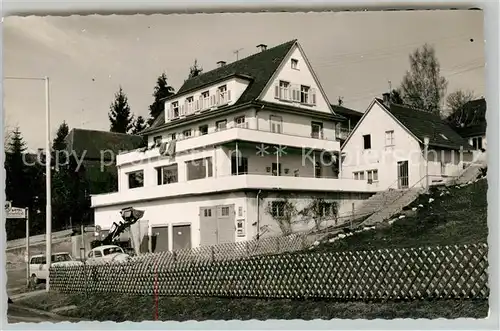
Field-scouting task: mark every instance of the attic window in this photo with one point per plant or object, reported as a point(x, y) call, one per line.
point(157, 140)
point(443, 136)
point(295, 64)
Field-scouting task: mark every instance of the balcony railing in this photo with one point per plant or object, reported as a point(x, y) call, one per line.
point(202, 103)
point(342, 133)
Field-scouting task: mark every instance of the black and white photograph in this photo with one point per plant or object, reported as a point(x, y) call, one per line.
point(246, 166)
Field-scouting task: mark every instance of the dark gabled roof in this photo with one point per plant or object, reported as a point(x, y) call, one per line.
point(473, 130)
point(425, 124)
point(259, 67)
point(346, 112)
point(92, 142)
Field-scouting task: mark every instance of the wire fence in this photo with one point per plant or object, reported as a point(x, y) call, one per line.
point(444, 272)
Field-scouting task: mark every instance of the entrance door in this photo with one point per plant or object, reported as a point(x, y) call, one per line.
point(225, 224)
point(181, 237)
point(208, 226)
point(159, 239)
point(403, 174)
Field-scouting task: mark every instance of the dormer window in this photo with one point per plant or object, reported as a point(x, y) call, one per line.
point(175, 109)
point(190, 105)
point(205, 100)
point(223, 95)
point(304, 94)
point(295, 64)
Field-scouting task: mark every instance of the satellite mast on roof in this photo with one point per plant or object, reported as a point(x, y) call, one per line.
point(237, 52)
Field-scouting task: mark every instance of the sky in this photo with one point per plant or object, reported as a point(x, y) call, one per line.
point(87, 58)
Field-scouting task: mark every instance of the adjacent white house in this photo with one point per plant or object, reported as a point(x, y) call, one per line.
point(387, 148)
point(236, 149)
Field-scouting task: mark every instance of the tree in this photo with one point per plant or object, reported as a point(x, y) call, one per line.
point(423, 87)
point(162, 90)
point(139, 125)
point(455, 102)
point(120, 116)
point(195, 70)
point(59, 144)
point(396, 97)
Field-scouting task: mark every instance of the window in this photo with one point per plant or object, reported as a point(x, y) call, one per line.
point(317, 130)
point(317, 170)
point(208, 212)
point(240, 228)
point(157, 140)
point(367, 141)
point(325, 209)
point(239, 165)
point(278, 209)
point(389, 138)
point(304, 94)
point(186, 133)
point(200, 168)
point(190, 104)
point(167, 174)
point(136, 179)
point(222, 95)
point(276, 169)
point(221, 125)
point(205, 100)
point(240, 211)
point(97, 254)
point(359, 175)
point(372, 175)
point(283, 90)
point(173, 136)
point(276, 124)
point(295, 64)
point(240, 121)
point(224, 211)
point(203, 129)
point(477, 143)
point(175, 109)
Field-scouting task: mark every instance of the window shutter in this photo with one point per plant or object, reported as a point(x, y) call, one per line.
point(276, 91)
point(197, 105)
point(313, 96)
point(212, 100)
point(228, 95)
point(182, 110)
point(297, 94)
point(171, 115)
point(202, 106)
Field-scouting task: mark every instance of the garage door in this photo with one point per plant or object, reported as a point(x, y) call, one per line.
point(160, 238)
point(181, 237)
point(208, 226)
point(225, 224)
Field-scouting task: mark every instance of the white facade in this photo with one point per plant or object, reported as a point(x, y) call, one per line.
point(223, 159)
point(390, 145)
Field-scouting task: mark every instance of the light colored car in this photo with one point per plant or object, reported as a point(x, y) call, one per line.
point(107, 253)
point(38, 265)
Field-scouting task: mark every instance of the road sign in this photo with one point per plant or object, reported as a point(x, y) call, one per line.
point(15, 212)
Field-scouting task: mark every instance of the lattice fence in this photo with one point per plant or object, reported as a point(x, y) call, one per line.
point(409, 273)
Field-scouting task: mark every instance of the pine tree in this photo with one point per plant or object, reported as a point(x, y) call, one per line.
point(162, 90)
point(195, 70)
point(59, 144)
point(120, 116)
point(139, 125)
point(423, 87)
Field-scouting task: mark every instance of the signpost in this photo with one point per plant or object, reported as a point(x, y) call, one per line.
point(21, 213)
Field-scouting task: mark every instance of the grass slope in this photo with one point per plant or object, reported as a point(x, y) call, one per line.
point(457, 217)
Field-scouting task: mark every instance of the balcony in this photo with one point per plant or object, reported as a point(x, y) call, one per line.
point(231, 183)
point(342, 133)
point(191, 106)
point(295, 93)
point(239, 133)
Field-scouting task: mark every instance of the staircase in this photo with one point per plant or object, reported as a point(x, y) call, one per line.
point(378, 201)
point(469, 174)
point(394, 206)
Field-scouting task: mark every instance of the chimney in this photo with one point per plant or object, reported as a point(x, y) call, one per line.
point(221, 64)
point(387, 99)
point(262, 47)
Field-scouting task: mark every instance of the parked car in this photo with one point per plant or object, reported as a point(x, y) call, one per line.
point(107, 253)
point(38, 265)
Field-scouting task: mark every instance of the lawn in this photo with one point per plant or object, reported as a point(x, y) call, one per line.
point(119, 308)
point(458, 217)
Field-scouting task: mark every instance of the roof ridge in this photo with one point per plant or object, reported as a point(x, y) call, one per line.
point(242, 59)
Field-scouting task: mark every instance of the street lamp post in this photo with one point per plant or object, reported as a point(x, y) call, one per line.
point(48, 207)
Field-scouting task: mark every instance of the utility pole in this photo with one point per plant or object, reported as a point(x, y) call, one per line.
point(237, 52)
